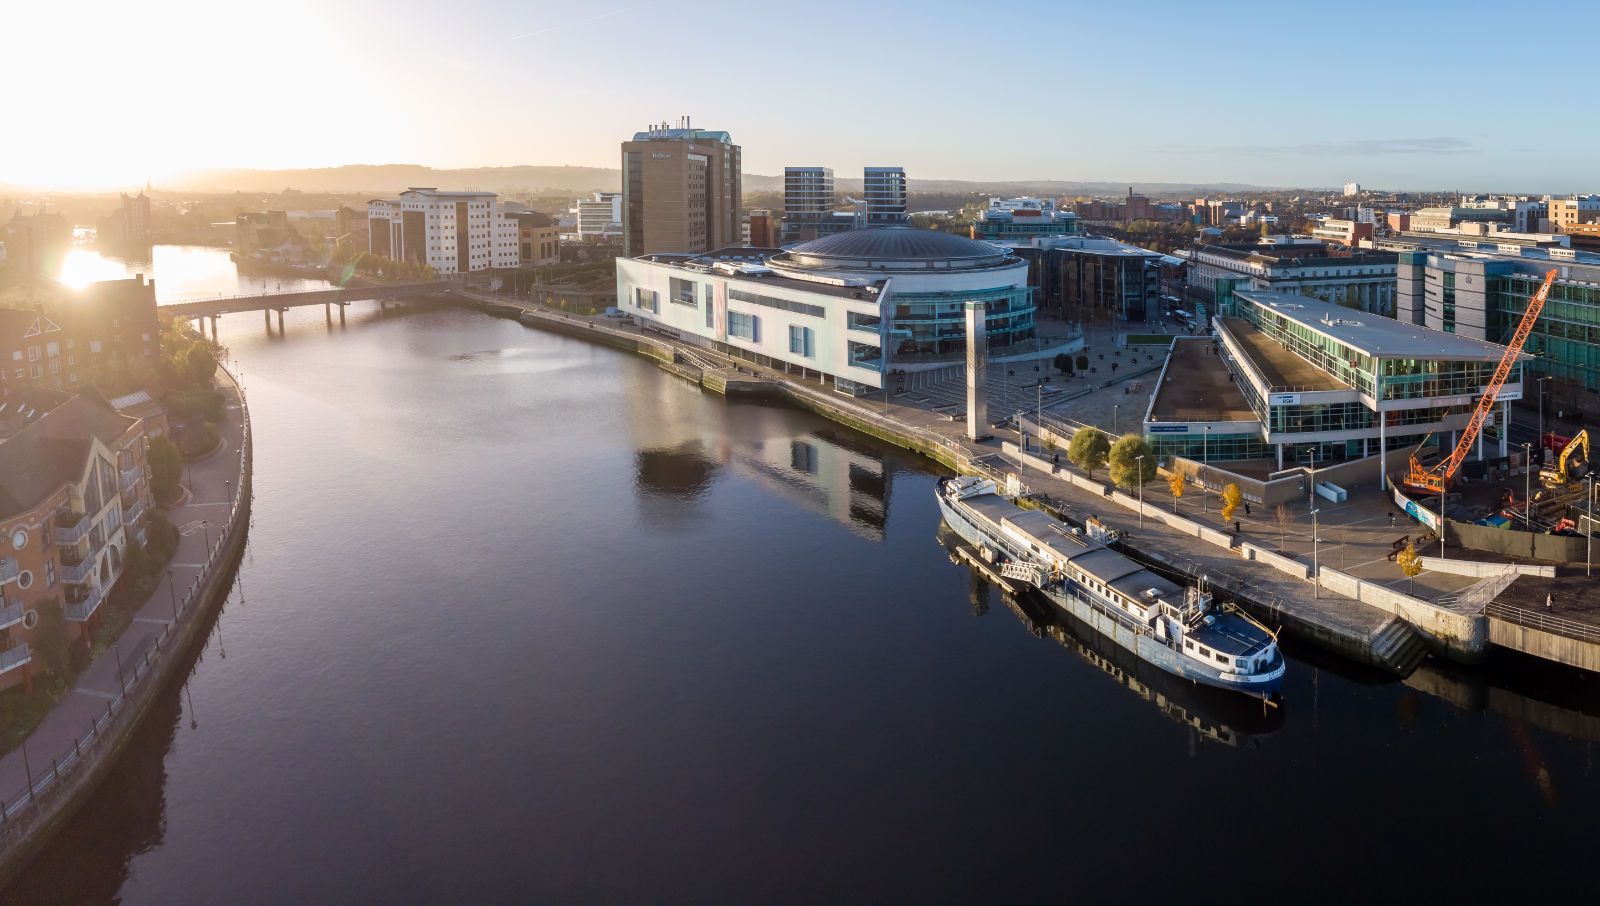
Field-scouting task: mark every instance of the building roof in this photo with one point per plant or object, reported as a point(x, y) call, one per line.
point(1277, 365)
point(1372, 334)
point(896, 243)
point(49, 451)
point(1197, 387)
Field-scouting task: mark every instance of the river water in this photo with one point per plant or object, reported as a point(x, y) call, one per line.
point(528, 620)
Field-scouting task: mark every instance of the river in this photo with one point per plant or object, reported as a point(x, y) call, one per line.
point(528, 620)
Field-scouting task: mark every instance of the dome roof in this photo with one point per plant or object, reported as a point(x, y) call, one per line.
point(896, 243)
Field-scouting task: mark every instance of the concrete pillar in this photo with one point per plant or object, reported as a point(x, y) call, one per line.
point(1383, 459)
point(266, 315)
point(977, 370)
point(214, 320)
point(280, 322)
point(1280, 457)
point(1505, 429)
point(1480, 446)
point(342, 306)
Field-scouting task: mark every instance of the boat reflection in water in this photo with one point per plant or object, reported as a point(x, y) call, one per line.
point(1211, 714)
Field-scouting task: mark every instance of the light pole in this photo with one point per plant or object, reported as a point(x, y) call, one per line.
point(1140, 473)
point(1114, 408)
point(1205, 462)
point(1588, 535)
point(1527, 488)
point(173, 595)
point(205, 525)
point(1311, 492)
point(1540, 381)
point(1316, 584)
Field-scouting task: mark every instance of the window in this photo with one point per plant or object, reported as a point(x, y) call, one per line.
point(801, 340)
point(1222, 658)
point(815, 311)
point(50, 572)
point(744, 326)
point(1189, 644)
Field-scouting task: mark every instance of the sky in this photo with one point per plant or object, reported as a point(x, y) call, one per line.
point(1395, 95)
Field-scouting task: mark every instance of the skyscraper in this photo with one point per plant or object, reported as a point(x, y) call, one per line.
point(680, 190)
point(884, 194)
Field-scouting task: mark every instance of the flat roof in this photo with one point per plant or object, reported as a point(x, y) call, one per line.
point(699, 263)
point(1198, 387)
point(1279, 366)
point(1372, 334)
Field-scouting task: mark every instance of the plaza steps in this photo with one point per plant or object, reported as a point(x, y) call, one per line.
point(1400, 646)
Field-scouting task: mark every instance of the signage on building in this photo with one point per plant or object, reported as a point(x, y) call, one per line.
point(1508, 395)
point(1286, 399)
point(1169, 429)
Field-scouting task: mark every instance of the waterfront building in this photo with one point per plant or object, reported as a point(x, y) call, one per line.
point(1290, 379)
point(1084, 278)
point(130, 225)
point(599, 218)
point(847, 308)
point(35, 243)
point(538, 239)
point(74, 488)
point(1021, 220)
point(107, 324)
point(883, 196)
point(808, 206)
point(680, 191)
point(451, 232)
point(261, 234)
point(1362, 280)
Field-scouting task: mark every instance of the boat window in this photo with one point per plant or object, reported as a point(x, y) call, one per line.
point(1222, 658)
point(1242, 663)
point(1188, 644)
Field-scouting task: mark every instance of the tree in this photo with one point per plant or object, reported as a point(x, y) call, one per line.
point(50, 638)
point(1063, 363)
point(1175, 483)
point(1231, 498)
point(1284, 518)
point(166, 467)
point(201, 362)
point(1132, 462)
point(1410, 563)
point(1088, 449)
point(1082, 363)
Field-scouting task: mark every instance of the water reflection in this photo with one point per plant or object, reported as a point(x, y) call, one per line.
point(1212, 715)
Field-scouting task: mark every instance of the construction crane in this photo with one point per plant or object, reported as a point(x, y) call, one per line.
point(1559, 476)
point(1437, 479)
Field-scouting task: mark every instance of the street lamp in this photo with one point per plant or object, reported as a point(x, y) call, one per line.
point(1540, 381)
point(205, 525)
point(1316, 584)
point(173, 595)
point(1588, 535)
point(1140, 473)
point(1527, 488)
point(1205, 461)
point(1311, 491)
point(1114, 408)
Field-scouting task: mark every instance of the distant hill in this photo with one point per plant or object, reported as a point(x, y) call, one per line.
point(386, 179)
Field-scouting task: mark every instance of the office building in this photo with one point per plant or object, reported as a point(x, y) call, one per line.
point(599, 218)
point(883, 196)
point(762, 230)
point(846, 308)
point(1363, 280)
point(262, 234)
point(35, 244)
point(1297, 380)
point(451, 232)
point(1567, 212)
point(74, 487)
point(1352, 189)
point(538, 238)
point(1482, 294)
point(680, 191)
point(1084, 279)
point(808, 206)
point(1347, 233)
point(1022, 220)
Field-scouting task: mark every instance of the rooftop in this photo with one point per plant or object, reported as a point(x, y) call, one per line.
point(49, 450)
point(1198, 387)
point(1372, 334)
point(1279, 366)
point(753, 261)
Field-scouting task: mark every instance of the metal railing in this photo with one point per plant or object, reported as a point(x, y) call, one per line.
point(77, 573)
point(132, 514)
point(11, 614)
point(9, 569)
point(34, 807)
point(1544, 622)
point(81, 611)
point(72, 534)
point(15, 656)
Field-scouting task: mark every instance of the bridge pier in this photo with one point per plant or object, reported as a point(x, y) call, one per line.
point(266, 315)
point(214, 320)
point(342, 307)
point(280, 320)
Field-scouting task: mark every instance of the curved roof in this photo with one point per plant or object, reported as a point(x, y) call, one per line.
point(896, 243)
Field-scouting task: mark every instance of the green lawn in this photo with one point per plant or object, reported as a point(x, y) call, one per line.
point(1147, 339)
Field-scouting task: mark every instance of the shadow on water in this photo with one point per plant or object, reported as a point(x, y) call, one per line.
point(1211, 714)
point(126, 815)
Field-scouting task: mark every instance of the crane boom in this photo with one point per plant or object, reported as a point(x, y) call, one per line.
point(1438, 478)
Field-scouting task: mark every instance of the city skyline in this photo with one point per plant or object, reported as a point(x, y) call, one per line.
point(1285, 98)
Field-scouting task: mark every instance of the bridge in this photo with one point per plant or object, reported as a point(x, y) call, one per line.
point(267, 303)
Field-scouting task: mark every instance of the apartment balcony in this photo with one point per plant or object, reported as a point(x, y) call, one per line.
point(81, 610)
point(132, 513)
point(130, 480)
point(16, 656)
point(11, 614)
point(70, 528)
point(77, 573)
point(8, 570)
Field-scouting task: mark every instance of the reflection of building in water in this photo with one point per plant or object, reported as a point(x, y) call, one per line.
point(683, 472)
point(1528, 695)
point(823, 471)
point(1213, 715)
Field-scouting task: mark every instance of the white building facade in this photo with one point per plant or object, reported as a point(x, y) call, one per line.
point(599, 217)
point(451, 232)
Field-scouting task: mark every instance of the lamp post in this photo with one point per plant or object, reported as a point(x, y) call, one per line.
point(1140, 474)
point(173, 595)
point(1316, 584)
point(1540, 381)
point(1114, 408)
point(1527, 488)
point(205, 526)
point(1205, 462)
point(1311, 491)
point(1588, 535)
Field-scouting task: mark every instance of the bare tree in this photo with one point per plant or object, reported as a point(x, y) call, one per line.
point(1284, 518)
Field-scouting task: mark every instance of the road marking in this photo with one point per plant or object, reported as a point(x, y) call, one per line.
point(108, 696)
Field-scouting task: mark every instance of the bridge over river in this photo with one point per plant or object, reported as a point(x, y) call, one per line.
point(267, 303)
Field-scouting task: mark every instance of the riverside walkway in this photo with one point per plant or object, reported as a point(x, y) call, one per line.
point(213, 488)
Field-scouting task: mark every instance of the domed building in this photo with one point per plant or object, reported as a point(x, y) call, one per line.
point(835, 304)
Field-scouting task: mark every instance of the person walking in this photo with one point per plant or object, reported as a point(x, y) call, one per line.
point(1236, 528)
point(1247, 508)
point(1391, 518)
point(1549, 602)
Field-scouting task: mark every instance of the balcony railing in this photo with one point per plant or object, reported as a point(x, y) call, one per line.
point(8, 569)
point(14, 657)
point(133, 512)
point(130, 478)
point(77, 573)
point(81, 611)
point(11, 614)
point(71, 528)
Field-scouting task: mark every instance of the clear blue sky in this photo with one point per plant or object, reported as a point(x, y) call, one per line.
point(1470, 95)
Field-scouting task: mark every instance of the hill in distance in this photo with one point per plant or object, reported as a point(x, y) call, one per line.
point(387, 179)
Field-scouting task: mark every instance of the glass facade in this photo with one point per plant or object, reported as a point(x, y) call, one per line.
point(1566, 337)
point(744, 326)
point(1207, 447)
point(935, 323)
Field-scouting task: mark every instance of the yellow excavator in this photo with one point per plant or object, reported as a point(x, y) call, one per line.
point(1560, 475)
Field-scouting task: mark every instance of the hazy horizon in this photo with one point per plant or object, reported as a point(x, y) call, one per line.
point(1257, 94)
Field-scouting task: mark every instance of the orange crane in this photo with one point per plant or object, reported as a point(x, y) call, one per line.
point(1438, 478)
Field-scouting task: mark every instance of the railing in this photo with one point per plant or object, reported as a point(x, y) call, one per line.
point(130, 477)
point(35, 806)
point(1474, 599)
point(1544, 622)
point(132, 514)
point(77, 573)
point(73, 533)
point(15, 656)
point(11, 614)
point(9, 570)
point(81, 611)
